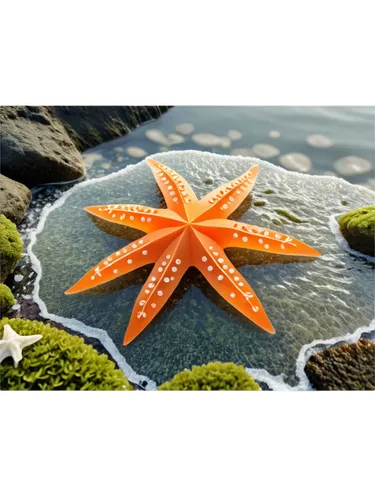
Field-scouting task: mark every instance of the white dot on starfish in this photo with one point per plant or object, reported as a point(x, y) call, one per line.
point(283, 246)
point(209, 268)
point(129, 261)
point(143, 219)
point(260, 241)
point(142, 303)
point(266, 246)
point(210, 248)
point(160, 293)
point(236, 278)
point(93, 277)
point(221, 260)
point(277, 235)
point(166, 280)
point(220, 277)
point(231, 270)
point(174, 269)
point(134, 245)
point(160, 269)
point(167, 257)
point(204, 258)
point(153, 278)
point(235, 235)
point(131, 217)
point(244, 239)
point(149, 219)
point(153, 305)
point(115, 271)
point(225, 267)
point(178, 262)
point(240, 283)
point(232, 295)
point(151, 285)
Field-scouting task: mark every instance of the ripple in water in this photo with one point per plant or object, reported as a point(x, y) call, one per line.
point(319, 141)
point(352, 165)
point(297, 162)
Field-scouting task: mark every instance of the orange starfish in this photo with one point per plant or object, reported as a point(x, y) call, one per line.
point(190, 232)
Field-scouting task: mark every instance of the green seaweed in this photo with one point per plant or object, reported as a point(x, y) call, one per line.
point(6, 299)
point(10, 247)
point(288, 215)
point(259, 203)
point(268, 191)
point(58, 361)
point(212, 377)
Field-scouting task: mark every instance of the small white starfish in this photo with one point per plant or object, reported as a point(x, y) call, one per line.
point(12, 344)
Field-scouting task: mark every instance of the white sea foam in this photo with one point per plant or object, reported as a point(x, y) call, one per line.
point(274, 382)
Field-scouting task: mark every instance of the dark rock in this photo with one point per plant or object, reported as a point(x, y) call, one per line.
point(88, 126)
point(35, 147)
point(345, 368)
point(14, 199)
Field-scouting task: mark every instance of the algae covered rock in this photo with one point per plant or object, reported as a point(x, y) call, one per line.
point(212, 377)
point(10, 247)
point(358, 228)
point(58, 361)
point(345, 368)
point(6, 299)
point(14, 199)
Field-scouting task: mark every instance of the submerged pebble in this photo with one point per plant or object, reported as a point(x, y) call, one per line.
point(136, 152)
point(185, 128)
point(352, 165)
point(234, 135)
point(211, 140)
point(296, 161)
point(265, 150)
point(319, 141)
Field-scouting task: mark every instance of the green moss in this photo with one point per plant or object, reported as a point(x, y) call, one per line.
point(288, 215)
point(259, 203)
point(344, 368)
point(58, 361)
point(212, 377)
point(268, 191)
point(358, 228)
point(344, 203)
point(10, 247)
point(6, 299)
point(208, 181)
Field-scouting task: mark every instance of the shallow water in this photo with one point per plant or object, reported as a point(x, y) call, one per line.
point(319, 140)
point(305, 301)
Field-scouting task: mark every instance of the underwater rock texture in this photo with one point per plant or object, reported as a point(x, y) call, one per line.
point(306, 300)
point(10, 247)
point(345, 368)
point(14, 199)
point(35, 147)
point(358, 228)
point(88, 126)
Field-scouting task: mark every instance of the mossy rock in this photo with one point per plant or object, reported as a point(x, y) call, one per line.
point(6, 299)
point(344, 368)
point(358, 228)
point(58, 361)
point(10, 247)
point(212, 377)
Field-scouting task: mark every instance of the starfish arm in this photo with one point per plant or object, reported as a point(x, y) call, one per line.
point(218, 270)
point(163, 280)
point(229, 233)
point(221, 202)
point(27, 340)
point(139, 217)
point(177, 192)
point(141, 252)
point(16, 352)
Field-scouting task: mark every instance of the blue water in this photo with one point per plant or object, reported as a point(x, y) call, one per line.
point(347, 132)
